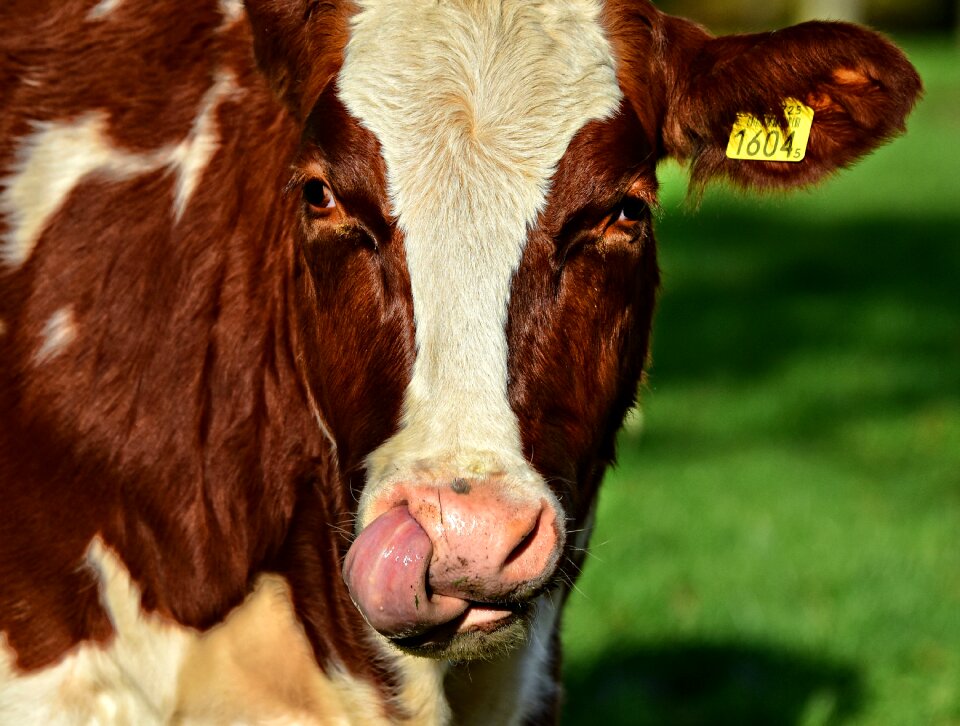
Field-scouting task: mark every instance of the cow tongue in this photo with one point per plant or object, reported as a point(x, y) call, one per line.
point(386, 574)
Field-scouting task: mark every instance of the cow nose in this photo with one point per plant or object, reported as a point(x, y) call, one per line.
point(435, 553)
point(488, 546)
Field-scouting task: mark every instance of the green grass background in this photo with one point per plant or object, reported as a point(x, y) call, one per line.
point(780, 543)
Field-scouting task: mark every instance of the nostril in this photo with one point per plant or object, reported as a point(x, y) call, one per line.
point(525, 544)
point(532, 558)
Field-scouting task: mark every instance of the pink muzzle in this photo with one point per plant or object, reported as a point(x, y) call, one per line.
point(461, 557)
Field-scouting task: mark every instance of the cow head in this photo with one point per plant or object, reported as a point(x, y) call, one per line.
point(477, 180)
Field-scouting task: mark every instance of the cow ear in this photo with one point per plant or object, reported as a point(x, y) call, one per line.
point(859, 86)
point(299, 47)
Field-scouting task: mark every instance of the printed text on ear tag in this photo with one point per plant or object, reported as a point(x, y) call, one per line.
point(753, 140)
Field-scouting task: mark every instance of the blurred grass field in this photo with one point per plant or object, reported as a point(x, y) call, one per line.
point(780, 543)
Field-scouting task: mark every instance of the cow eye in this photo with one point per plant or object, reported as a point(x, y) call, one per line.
point(632, 210)
point(627, 223)
point(318, 196)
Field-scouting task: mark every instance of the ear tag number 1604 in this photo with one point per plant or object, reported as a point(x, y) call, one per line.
point(755, 140)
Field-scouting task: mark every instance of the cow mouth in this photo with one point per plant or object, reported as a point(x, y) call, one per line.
point(387, 574)
point(482, 628)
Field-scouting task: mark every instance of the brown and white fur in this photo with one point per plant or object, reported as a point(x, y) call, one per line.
point(274, 273)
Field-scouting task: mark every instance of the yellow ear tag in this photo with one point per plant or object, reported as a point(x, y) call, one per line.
point(753, 140)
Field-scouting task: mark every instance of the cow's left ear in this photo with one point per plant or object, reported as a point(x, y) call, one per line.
point(723, 91)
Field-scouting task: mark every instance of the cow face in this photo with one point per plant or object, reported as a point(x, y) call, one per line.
point(476, 184)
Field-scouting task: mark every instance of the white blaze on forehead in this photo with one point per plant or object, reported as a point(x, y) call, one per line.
point(474, 102)
point(59, 154)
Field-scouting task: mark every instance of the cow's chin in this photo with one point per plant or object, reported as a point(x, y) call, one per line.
point(482, 632)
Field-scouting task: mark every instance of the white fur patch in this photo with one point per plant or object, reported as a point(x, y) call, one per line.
point(192, 155)
point(421, 694)
point(58, 332)
point(102, 9)
point(52, 161)
point(473, 103)
point(232, 10)
point(257, 667)
point(130, 681)
point(511, 689)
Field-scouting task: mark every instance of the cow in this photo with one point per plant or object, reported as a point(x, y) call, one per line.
point(318, 321)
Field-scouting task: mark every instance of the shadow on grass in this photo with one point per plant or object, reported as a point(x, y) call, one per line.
point(745, 291)
point(867, 310)
point(700, 684)
point(742, 292)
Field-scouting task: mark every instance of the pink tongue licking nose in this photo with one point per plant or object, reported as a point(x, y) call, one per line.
point(386, 573)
